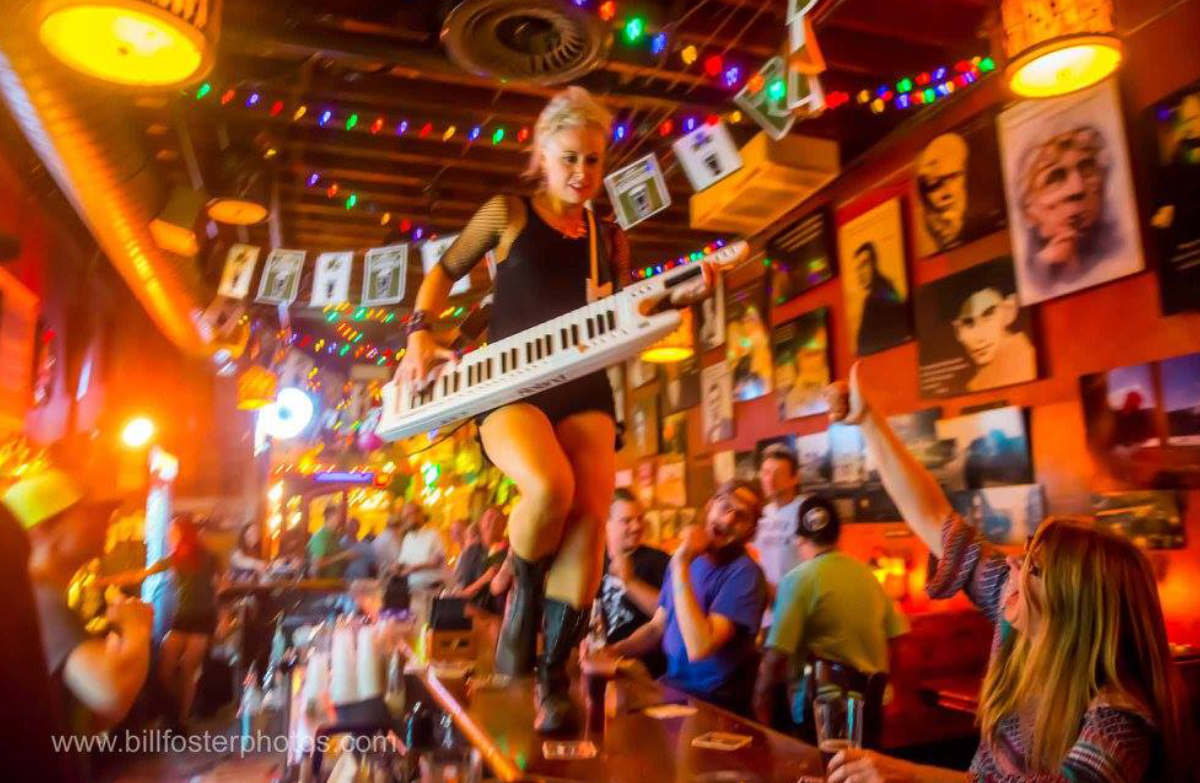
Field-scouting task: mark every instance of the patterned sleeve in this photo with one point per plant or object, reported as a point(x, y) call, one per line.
point(970, 564)
point(480, 235)
point(1114, 746)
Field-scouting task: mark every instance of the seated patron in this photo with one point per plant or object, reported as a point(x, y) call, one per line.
point(492, 550)
point(829, 608)
point(710, 609)
point(633, 576)
point(1081, 685)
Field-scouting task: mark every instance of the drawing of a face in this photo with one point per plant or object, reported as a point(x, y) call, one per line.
point(942, 185)
point(982, 322)
point(1063, 192)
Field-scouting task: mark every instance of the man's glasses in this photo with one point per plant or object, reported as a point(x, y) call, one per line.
point(725, 507)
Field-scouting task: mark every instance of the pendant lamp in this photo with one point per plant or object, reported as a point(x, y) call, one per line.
point(1055, 47)
point(135, 43)
point(676, 346)
point(241, 196)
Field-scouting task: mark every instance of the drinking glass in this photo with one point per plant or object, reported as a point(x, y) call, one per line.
point(839, 719)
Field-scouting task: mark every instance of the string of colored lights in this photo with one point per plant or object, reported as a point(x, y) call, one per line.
point(647, 272)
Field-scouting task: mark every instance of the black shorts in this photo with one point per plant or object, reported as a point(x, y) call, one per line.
point(202, 623)
point(590, 393)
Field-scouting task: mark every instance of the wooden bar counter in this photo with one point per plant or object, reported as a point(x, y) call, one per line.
point(632, 747)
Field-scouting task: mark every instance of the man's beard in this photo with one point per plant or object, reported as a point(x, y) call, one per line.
point(726, 552)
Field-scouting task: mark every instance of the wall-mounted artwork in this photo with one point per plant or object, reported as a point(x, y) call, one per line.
point(1150, 518)
point(716, 412)
point(709, 317)
point(874, 278)
point(643, 426)
point(801, 352)
point(681, 385)
point(748, 342)
point(1005, 515)
point(958, 192)
point(972, 333)
point(1072, 212)
point(801, 258)
point(1174, 123)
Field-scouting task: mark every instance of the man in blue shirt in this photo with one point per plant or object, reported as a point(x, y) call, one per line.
point(711, 607)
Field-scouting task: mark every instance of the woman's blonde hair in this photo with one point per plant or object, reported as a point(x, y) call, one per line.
point(574, 107)
point(1101, 630)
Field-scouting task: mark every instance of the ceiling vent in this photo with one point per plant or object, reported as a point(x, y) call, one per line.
point(539, 41)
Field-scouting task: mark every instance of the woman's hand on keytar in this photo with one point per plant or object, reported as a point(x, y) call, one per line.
point(696, 289)
point(422, 356)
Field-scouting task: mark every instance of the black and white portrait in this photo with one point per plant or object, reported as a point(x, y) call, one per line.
point(871, 247)
point(239, 271)
point(1071, 203)
point(709, 317)
point(384, 275)
point(716, 412)
point(331, 278)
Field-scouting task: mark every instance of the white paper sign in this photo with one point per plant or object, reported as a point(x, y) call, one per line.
point(239, 271)
point(768, 108)
point(637, 191)
point(384, 275)
point(805, 94)
point(707, 155)
point(280, 281)
point(432, 252)
point(331, 278)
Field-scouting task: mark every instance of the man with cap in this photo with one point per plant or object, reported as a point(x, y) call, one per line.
point(829, 608)
point(710, 608)
point(96, 677)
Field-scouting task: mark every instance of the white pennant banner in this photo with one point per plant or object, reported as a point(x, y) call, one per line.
point(385, 275)
point(331, 278)
point(238, 272)
point(280, 283)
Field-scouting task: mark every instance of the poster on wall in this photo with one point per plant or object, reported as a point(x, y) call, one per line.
point(958, 189)
point(674, 435)
point(280, 283)
point(709, 317)
point(745, 465)
point(681, 385)
point(1005, 515)
point(747, 343)
point(1149, 518)
point(972, 333)
point(871, 256)
point(385, 274)
point(644, 477)
point(801, 353)
point(432, 251)
point(671, 486)
point(239, 271)
point(1072, 211)
point(331, 278)
point(800, 258)
point(716, 413)
point(986, 449)
point(848, 456)
point(708, 154)
point(1144, 439)
point(816, 461)
point(637, 191)
point(641, 373)
point(1174, 123)
point(643, 426)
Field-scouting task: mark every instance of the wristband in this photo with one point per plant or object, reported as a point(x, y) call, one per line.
point(417, 322)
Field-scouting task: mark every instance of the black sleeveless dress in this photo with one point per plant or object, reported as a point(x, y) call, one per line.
point(544, 276)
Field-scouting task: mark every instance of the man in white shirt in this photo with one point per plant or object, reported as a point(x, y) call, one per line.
point(422, 554)
point(779, 475)
point(386, 545)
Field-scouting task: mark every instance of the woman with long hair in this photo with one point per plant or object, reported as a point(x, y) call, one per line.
point(1081, 685)
point(246, 562)
point(552, 256)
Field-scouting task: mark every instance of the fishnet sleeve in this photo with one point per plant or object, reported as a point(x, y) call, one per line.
point(481, 234)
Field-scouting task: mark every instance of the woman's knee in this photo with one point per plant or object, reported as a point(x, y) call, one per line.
point(552, 494)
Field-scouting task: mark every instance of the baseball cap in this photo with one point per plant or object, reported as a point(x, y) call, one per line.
point(818, 520)
point(44, 495)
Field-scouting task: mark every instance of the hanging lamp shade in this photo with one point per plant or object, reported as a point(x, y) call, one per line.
point(1055, 47)
point(243, 193)
point(676, 346)
point(135, 43)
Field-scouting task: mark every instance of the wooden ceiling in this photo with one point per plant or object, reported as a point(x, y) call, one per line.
point(385, 58)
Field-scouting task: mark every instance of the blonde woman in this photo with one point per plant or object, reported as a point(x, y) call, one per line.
point(1081, 686)
point(557, 445)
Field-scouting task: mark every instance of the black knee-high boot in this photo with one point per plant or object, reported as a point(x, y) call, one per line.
point(564, 628)
point(516, 649)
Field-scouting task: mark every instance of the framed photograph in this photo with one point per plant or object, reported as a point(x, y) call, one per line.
point(331, 278)
point(1005, 515)
point(671, 483)
point(707, 155)
point(801, 258)
point(972, 333)
point(637, 191)
point(801, 353)
point(875, 280)
point(385, 275)
point(1150, 519)
point(709, 317)
point(681, 385)
point(239, 271)
point(987, 449)
point(1143, 422)
point(745, 465)
point(716, 412)
point(643, 426)
point(848, 456)
point(1071, 205)
point(280, 282)
point(748, 344)
point(674, 435)
point(432, 251)
point(958, 191)
point(1174, 123)
point(641, 373)
point(816, 461)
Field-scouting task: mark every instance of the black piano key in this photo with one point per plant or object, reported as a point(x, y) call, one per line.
point(574, 334)
point(591, 329)
point(611, 317)
point(489, 369)
point(504, 362)
point(537, 348)
point(549, 345)
point(564, 336)
point(600, 325)
point(529, 353)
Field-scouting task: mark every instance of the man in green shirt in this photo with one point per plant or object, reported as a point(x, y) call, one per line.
point(830, 607)
point(325, 554)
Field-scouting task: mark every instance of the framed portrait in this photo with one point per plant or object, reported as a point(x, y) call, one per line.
point(1005, 515)
point(385, 274)
point(800, 348)
point(1073, 216)
point(674, 435)
point(331, 278)
point(280, 282)
point(709, 317)
point(875, 279)
point(801, 258)
point(958, 191)
point(748, 342)
point(1174, 124)
point(716, 412)
point(681, 385)
point(972, 333)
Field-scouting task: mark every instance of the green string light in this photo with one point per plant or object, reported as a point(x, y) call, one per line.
point(930, 95)
point(635, 28)
point(360, 314)
point(987, 64)
point(205, 89)
point(351, 121)
point(498, 136)
point(904, 85)
point(351, 200)
point(776, 90)
point(333, 316)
